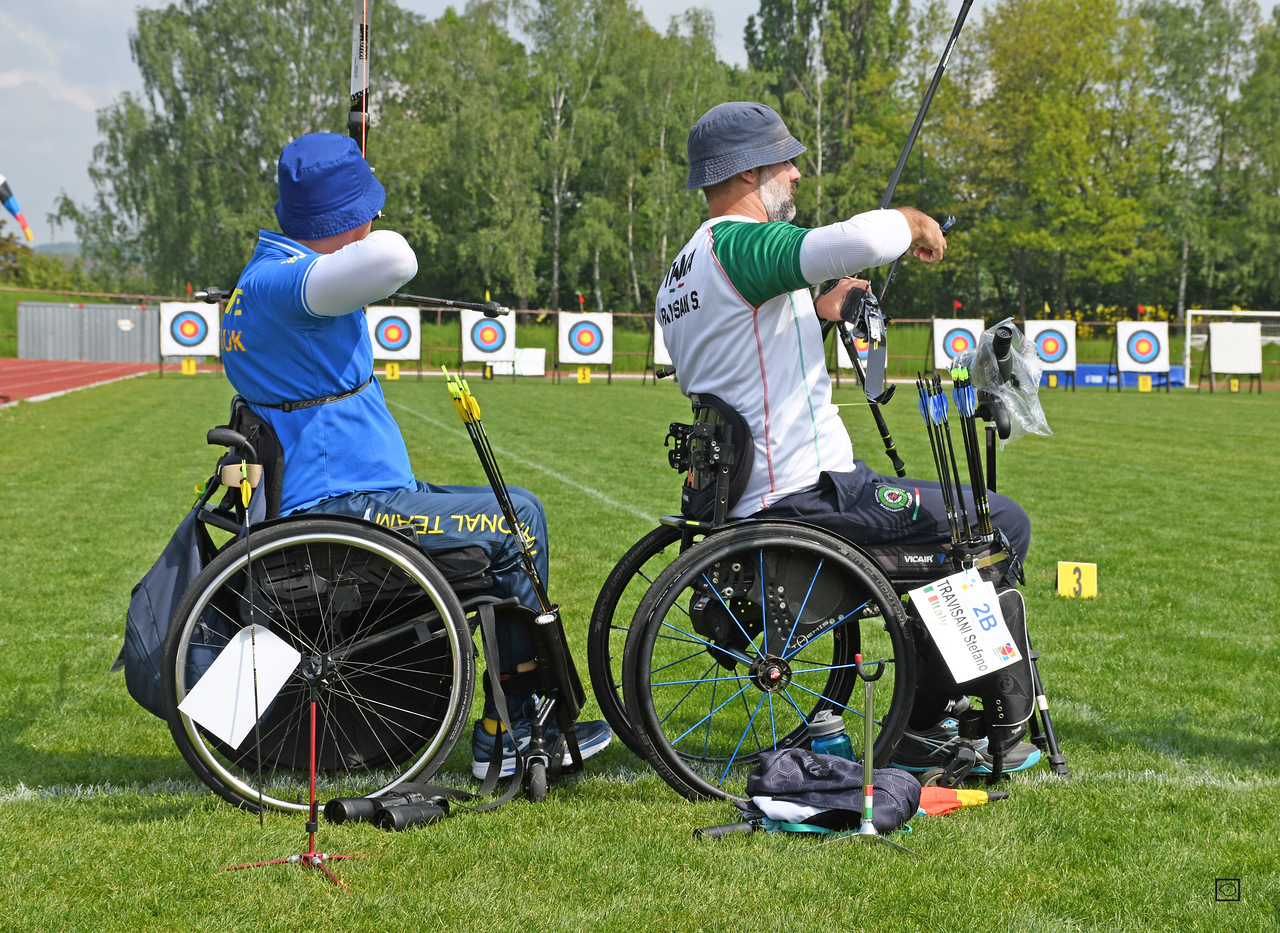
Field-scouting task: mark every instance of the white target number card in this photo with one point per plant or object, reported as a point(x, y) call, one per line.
point(222, 700)
point(962, 614)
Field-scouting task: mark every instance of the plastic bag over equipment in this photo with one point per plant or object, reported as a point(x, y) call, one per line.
point(1004, 364)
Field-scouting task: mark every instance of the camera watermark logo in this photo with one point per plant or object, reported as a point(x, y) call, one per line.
point(1226, 889)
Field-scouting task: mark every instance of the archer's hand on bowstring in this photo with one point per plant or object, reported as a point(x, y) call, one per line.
point(928, 243)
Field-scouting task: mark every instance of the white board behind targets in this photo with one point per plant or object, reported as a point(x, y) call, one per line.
point(394, 332)
point(1235, 348)
point(842, 357)
point(1142, 347)
point(1055, 343)
point(189, 328)
point(661, 355)
point(954, 336)
point(585, 339)
point(488, 339)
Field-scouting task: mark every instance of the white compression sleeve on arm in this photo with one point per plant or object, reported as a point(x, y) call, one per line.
point(847, 248)
point(359, 273)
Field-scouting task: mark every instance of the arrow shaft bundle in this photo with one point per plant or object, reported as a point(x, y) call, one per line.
point(469, 410)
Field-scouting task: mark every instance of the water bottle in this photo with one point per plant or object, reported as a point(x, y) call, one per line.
point(827, 735)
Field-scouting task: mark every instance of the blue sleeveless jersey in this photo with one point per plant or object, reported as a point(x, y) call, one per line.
point(276, 350)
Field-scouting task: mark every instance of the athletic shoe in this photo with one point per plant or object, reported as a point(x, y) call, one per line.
point(920, 751)
point(593, 736)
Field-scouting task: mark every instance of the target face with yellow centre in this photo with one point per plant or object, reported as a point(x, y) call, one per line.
point(957, 340)
point(188, 329)
point(488, 336)
point(1143, 346)
point(392, 333)
point(586, 337)
point(1051, 345)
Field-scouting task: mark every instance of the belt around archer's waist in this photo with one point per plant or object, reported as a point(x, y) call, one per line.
point(313, 402)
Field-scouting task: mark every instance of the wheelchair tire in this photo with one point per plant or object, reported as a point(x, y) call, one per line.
point(380, 621)
point(621, 593)
point(698, 719)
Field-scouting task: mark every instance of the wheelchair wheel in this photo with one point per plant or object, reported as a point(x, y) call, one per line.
point(745, 637)
point(370, 613)
point(621, 593)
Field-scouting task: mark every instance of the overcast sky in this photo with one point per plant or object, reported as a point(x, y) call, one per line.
point(64, 59)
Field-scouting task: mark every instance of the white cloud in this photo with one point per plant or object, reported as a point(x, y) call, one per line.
point(56, 87)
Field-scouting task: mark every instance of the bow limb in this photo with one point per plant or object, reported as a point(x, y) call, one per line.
point(358, 117)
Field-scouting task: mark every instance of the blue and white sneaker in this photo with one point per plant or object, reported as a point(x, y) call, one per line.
point(593, 736)
point(920, 751)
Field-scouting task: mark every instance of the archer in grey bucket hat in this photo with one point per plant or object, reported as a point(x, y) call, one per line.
point(737, 137)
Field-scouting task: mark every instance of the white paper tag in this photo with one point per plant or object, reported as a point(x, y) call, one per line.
point(963, 615)
point(222, 700)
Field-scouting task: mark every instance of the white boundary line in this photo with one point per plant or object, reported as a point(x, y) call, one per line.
point(614, 503)
point(48, 395)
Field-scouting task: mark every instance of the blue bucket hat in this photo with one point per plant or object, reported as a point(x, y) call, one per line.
point(326, 187)
point(737, 137)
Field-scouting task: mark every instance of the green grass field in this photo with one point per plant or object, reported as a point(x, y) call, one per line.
point(1165, 689)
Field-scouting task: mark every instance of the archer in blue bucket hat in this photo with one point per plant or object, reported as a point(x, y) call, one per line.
point(326, 187)
point(298, 348)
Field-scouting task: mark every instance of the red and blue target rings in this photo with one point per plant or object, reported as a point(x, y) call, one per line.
point(1051, 345)
point(957, 340)
point(1143, 346)
point(188, 328)
point(586, 337)
point(392, 333)
point(488, 336)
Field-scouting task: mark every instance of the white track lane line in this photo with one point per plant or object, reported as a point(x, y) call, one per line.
point(630, 510)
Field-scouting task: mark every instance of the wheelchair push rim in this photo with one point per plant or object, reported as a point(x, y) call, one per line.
point(390, 633)
point(745, 637)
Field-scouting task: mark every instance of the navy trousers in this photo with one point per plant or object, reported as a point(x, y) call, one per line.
point(452, 517)
point(866, 508)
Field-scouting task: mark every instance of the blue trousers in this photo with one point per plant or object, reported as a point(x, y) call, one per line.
point(866, 508)
point(452, 517)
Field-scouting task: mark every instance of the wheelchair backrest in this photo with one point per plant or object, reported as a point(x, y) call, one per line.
point(270, 455)
point(716, 453)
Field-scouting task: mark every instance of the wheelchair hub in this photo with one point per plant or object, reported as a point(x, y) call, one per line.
point(771, 674)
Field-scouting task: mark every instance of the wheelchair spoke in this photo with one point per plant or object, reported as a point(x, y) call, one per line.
point(703, 641)
point(741, 690)
point(847, 709)
point(750, 640)
point(688, 657)
point(751, 727)
point(800, 612)
point(687, 692)
point(843, 619)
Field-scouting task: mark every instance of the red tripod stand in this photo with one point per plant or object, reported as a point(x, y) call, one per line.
point(313, 672)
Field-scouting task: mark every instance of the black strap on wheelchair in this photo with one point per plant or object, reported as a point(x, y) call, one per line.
point(313, 402)
point(492, 670)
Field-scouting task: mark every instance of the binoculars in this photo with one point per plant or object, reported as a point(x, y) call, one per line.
point(394, 812)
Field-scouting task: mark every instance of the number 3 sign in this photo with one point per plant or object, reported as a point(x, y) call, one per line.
point(1077, 580)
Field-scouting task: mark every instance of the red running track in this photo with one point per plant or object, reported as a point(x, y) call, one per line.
point(36, 380)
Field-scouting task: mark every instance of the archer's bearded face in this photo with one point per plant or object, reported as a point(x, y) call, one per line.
point(778, 194)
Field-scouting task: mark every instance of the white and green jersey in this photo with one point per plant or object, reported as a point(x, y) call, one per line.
point(738, 319)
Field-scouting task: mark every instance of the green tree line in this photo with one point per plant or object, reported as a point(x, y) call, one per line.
point(1095, 153)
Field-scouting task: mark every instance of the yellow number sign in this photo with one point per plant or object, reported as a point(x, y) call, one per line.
point(1080, 580)
point(1144, 383)
point(393, 370)
point(584, 375)
point(1233, 385)
point(188, 366)
point(1053, 380)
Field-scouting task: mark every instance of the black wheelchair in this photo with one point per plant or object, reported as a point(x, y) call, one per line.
point(384, 629)
point(715, 640)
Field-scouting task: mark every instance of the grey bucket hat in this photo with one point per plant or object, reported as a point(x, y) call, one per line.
point(737, 137)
